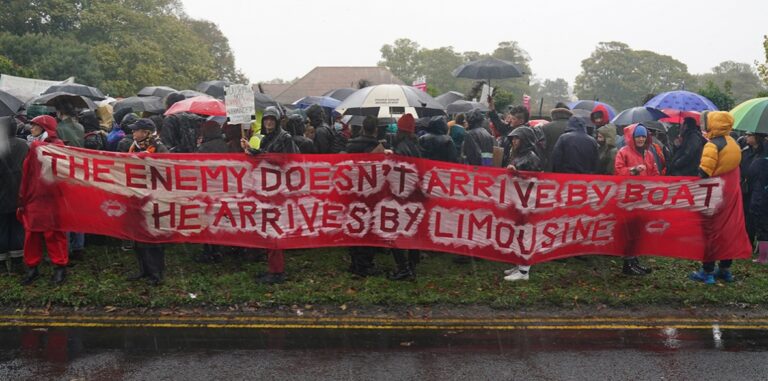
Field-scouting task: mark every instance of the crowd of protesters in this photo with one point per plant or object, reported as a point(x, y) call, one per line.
point(566, 144)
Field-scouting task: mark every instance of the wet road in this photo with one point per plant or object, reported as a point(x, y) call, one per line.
point(363, 354)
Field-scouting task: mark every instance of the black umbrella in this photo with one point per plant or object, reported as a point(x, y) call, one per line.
point(150, 104)
point(638, 115)
point(213, 88)
point(54, 99)
point(263, 101)
point(156, 91)
point(447, 98)
point(77, 89)
point(9, 105)
point(655, 125)
point(192, 93)
point(340, 94)
point(463, 106)
point(488, 68)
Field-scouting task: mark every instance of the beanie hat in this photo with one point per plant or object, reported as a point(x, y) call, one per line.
point(406, 123)
point(640, 130)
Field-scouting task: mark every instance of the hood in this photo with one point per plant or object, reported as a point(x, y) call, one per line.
point(561, 114)
point(210, 130)
point(577, 124)
point(438, 126)
point(609, 133)
point(719, 123)
point(104, 113)
point(629, 140)
point(527, 138)
point(271, 111)
point(475, 118)
point(48, 123)
point(606, 114)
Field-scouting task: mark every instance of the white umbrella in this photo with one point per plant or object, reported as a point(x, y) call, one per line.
point(385, 101)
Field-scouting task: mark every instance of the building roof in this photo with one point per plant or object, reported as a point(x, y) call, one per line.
point(325, 78)
point(272, 89)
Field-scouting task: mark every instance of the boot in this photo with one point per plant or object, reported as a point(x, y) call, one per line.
point(59, 275)
point(31, 275)
point(142, 273)
point(636, 263)
point(762, 249)
point(404, 266)
point(631, 269)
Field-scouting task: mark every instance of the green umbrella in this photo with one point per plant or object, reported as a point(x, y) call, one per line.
point(751, 116)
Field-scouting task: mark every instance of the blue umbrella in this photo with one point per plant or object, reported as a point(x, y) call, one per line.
point(325, 102)
point(638, 115)
point(681, 100)
point(590, 105)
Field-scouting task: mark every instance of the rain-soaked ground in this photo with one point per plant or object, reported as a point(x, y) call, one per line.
point(356, 354)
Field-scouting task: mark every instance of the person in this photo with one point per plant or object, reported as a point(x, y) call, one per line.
point(326, 139)
point(753, 150)
point(12, 155)
point(687, 150)
point(606, 140)
point(43, 129)
point(635, 159)
point(95, 137)
point(600, 116)
point(405, 143)
point(554, 129)
point(458, 131)
point(524, 158)
point(68, 129)
point(125, 143)
point(361, 256)
point(575, 151)
point(658, 148)
point(720, 156)
point(275, 140)
point(758, 207)
point(294, 125)
point(436, 144)
point(211, 136)
point(478, 142)
point(150, 256)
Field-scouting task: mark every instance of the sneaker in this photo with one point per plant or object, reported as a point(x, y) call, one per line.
point(516, 276)
point(724, 274)
point(702, 276)
point(126, 245)
point(631, 268)
point(512, 270)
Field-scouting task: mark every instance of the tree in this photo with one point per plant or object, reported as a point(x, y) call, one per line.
point(11, 68)
point(723, 99)
point(618, 75)
point(745, 83)
point(218, 47)
point(762, 68)
point(547, 94)
point(436, 65)
point(402, 59)
point(512, 52)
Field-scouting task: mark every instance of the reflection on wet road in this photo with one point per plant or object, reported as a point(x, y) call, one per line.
point(194, 353)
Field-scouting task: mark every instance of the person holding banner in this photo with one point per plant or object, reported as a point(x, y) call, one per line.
point(635, 159)
point(43, 129)
point(405, 143)
point(275, 140)
point(720, 157)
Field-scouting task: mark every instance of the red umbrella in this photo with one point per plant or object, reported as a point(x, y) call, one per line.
point(677, 116)
point(199, 105)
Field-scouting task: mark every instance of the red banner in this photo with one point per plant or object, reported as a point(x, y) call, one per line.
point(305, 201)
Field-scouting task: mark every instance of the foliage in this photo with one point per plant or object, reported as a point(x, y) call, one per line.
point(723, 99)
point(762, 68)
point(745, 83)
point(118, 46)
point(9, 67)
point(618, 75)
point(402, 59)
point(318, 277)
point(545, 95)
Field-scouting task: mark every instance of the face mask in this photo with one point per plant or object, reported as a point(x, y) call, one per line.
point(338, 126)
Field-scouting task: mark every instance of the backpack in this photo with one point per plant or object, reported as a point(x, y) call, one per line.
point(95, 140)
point(339, 141)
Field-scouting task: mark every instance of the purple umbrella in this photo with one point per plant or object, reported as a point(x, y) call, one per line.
point(681, 100)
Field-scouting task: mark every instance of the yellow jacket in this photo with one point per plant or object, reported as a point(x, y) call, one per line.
point(721, 154)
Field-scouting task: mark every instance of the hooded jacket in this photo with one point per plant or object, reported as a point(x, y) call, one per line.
point(362, 144)
point(436, 144)
point(575, 151)
point(478, 142)
point(11, 162)
point(554, 129)
point(278, 141)
point(630, 156)
point(686, 158)
point(607, 151)
point(295, 127)
point(48, 123)
point(71, 132)
point(524, 158)
point(721, 154)
point(213, 139)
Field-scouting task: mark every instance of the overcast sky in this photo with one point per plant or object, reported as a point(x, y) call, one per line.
point(291, 37)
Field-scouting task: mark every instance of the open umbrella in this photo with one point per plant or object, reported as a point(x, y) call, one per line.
point(677, 116)
point(637, 115)
point(447, 98)
point(193, 93)
point(325, 102)
point(213, 88)
point(199, 105)
point(655, 125)
point(340, 94)
point(488, 68)
point(9, 104)
point(54, 99)
point(681, 100)
point(156, 91)
point(263, 101)
point(462, 106)
point(751, 116)
point(390, 100)
point(77, 89)
point(590, 105)
point(151, 104)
